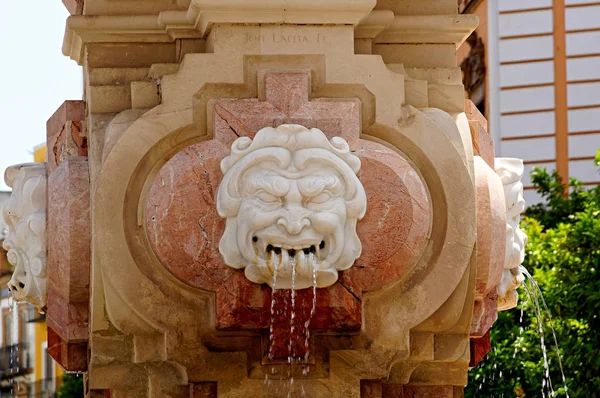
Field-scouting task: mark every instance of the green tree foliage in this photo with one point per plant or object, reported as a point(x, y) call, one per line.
point(563, 253)
point(71, 387)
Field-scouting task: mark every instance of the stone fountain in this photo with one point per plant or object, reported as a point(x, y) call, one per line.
point(257, 193)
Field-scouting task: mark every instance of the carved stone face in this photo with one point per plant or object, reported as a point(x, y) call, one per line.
point(511, 171)
point(25, 216)
point(292, 200)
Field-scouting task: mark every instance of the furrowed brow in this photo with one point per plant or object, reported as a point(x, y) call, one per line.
point(313, 185)
point(273, 184)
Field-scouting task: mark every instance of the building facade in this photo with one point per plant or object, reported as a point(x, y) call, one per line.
point(542, 80)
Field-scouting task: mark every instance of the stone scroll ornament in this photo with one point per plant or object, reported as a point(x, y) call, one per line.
point(510, 171)
point(25, 215)
point(291, 199)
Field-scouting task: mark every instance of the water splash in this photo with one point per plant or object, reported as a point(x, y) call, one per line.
point(290, 310)
point(535, 295)
point(291, 356)
point(275, 263)
point(313, 264)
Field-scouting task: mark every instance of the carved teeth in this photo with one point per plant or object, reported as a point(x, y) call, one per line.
point(292, 250)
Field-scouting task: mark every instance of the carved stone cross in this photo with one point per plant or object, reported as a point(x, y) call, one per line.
point(286, 100)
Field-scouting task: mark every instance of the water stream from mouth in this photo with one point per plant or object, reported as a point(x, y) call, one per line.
point(535, 295)
point(291, 307)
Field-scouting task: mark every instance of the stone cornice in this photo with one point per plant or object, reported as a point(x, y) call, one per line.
point(204, 13)
point(162, 28)
point(380, 25)
point(429, 29)
point(374, 24)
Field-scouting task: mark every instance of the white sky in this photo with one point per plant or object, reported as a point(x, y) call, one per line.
point(36, 77)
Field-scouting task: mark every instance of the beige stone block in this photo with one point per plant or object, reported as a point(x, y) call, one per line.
point(129, 55)
point(157, 71)
point(115, 76)
point(416, 91)
point(418, 7)
point(187, 46)
point(435, 29)
point(128, 7)
point(109, 99)
point(75, 7)
point(144, 95)
point(473, 114)
point(301, 12)
point(374, 24)
point(97, 124)
point(450, 98)
point(149, 348)
point(450, 75)
point(363, 46)
point(282, 39)
point(418, 56)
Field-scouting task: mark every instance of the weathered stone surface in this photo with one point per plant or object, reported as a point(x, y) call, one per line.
point(68, 319)
point(479, 349)
point(75, 7)
point(485, 313)
point(370, 389)
point(70, 356)
point(199, 390)
point(286, 101)
point(69, 253)
point(66, 133)
point(185, 233)
point(483, 144)
point(395, 229)
point(491, 224)
point(399, 391)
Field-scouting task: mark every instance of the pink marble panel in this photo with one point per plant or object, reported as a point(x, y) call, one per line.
point(69, 241)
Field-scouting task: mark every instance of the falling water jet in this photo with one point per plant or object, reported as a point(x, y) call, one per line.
point(535, 293)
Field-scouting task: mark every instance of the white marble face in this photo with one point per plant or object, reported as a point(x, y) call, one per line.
point(292, 199)
point(25, 216)
point(510, 171)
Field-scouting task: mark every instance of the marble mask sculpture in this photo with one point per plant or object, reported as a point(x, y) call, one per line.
point(25, 215)
point(292, 199)
point(510, 171)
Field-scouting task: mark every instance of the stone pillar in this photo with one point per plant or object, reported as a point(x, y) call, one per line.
point(68, 236)
point(184, 97)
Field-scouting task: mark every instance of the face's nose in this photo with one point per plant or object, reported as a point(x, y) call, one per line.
point(294, 221)
point(17, 282)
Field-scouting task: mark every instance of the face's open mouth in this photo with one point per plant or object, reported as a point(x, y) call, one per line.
point(268, 246)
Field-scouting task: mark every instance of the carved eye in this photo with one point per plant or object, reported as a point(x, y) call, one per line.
point(267, 197)
point(320, 198)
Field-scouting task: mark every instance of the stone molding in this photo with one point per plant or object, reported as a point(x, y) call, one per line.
point(25, 216)
point(205, 13)
point(374, 24)
point(167, 26)
point(429, 29)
